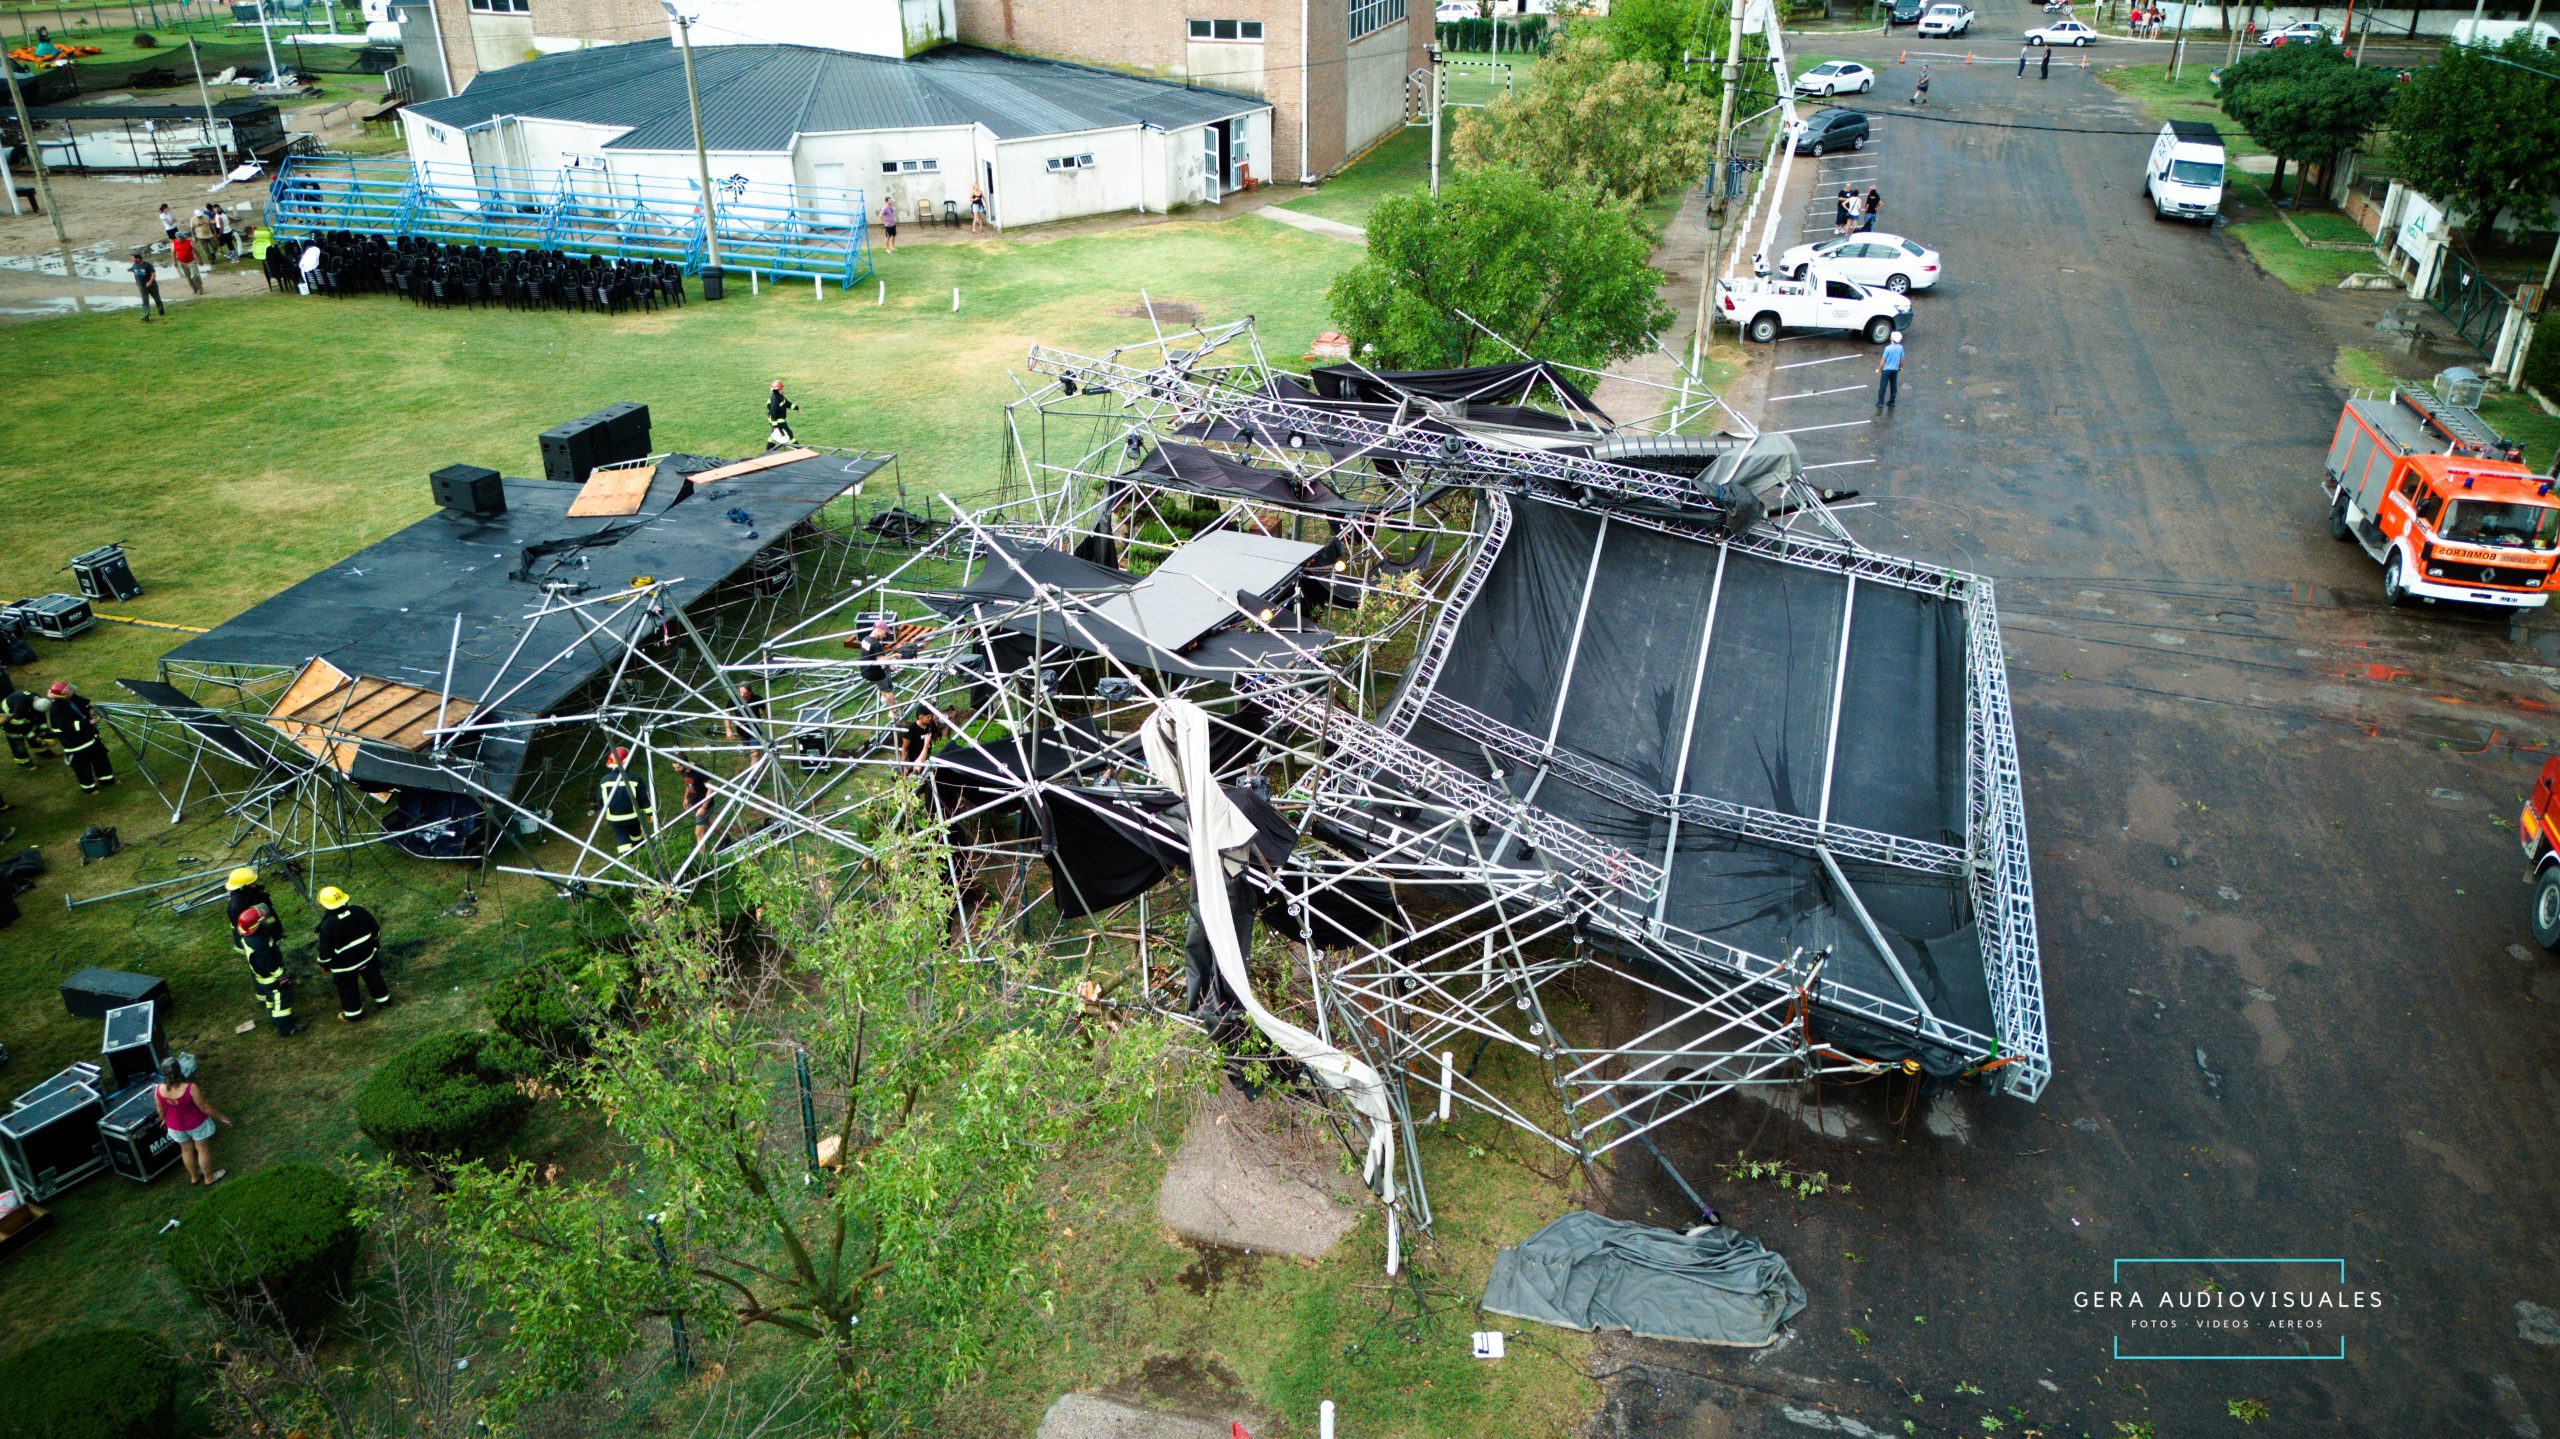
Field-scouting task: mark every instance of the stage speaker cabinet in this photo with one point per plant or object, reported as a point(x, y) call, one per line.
point(52, 1144)
point(103, 574)
point(473, 490)
point(137, 1144)
point(130, 1050)
point(626, 432)
point(79, 1074)
point(93, 992)
point(55, 617)
point(572, 451)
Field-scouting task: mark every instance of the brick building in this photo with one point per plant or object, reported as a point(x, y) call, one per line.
point(1335, 71)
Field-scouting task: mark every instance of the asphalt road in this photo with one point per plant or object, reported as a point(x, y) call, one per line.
point(2294, 1004)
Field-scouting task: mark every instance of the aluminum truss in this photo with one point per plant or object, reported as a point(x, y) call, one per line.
point(1485, 902)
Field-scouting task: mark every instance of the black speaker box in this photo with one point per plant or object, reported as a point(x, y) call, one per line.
point(626, 428)
point(469, 490)
point(93, 991)
point(571, 451)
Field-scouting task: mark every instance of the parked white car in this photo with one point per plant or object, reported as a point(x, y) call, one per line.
point(1945, 19)
point(1456, 10)
point(2301, 32)
point(1836, 77)
point(2061, 32)
point(1874, 258)
point(1820, 300)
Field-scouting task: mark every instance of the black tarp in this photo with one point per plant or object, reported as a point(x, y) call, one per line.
point(1512, 387)
point(1620, 698)
point(1203, 471)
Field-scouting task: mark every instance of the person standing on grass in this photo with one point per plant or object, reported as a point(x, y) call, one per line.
point(146, 278)
point(182, 253)
point(889, 224)
point(168, 224)
point(977, 210)
point(778, 408)
point(189, 1118)
point(1889, 374)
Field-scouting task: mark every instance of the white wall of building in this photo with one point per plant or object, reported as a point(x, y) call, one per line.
point(869, 27)
point(854, 160)
point(1028, 193)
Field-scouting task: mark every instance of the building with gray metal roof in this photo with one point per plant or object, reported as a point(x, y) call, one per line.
point(1041, 140)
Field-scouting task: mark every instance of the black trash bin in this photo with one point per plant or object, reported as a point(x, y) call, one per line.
point(711, 282)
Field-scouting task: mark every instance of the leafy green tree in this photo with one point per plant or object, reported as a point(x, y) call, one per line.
point(2480, 136)
point(1556, 270)
point(1588, 118)
point(1660, 32)
point(947, 1082)
point(2305, 103)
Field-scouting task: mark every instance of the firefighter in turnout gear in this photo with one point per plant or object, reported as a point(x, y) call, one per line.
point(351, 950)
point(244, 893)
point(621, 800)
point(260, 942)
point(75, 728)
point(24, 727)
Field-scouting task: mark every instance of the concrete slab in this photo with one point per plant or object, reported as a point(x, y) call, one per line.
point(1090, 1416)
point(1251, 1175)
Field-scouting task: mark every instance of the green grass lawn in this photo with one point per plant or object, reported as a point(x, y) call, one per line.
point(2252, 220)
point(2331, 225)
point(243, 444)
point(2191, 98)
point(1397, 165)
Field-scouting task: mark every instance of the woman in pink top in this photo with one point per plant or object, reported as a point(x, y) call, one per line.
point(189, 1117)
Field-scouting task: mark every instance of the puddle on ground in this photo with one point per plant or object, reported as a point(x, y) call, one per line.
point(1214, 1266)
point(1190, 1382)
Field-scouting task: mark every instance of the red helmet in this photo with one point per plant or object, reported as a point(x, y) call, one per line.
point(251, 918)
point(59, 689)
point(619, 758)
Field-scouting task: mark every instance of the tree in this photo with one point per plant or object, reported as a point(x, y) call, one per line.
point(1590, 119)
point(2480, 136)
point(1556, 270)
point(1660, 32)
point(2306, 103)
point(948, 1083)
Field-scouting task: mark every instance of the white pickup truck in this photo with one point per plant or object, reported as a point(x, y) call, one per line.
point(1945, 19)
point(1823, 299)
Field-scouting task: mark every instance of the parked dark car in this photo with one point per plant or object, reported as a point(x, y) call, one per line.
point(1906, 12)
point(1828, 130)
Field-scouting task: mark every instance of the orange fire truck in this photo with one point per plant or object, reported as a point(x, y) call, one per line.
point(2540, 831)
point(2441, 503)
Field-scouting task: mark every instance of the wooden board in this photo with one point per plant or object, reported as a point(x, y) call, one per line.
point(749, 467)
point(613, 492)
point(325, 711)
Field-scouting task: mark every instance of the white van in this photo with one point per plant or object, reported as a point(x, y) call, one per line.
point(2491, 34)
point(2185, 178)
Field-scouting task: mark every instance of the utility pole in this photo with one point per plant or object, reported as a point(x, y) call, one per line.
point(1731, 76)
point(35, 158)
point(711, 289)
point(275, 73)
point(2178, 46)
point(1434, 53)
point(221, 146)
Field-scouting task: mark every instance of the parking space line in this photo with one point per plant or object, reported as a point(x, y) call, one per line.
point(1825, 360)
point(1809, 394)
point(1809, 429)
point(1839, 464)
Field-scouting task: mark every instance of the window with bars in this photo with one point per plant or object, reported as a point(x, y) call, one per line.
point(501, 7)
point(910, 167)
point(1370, 16)
point(1226, 29)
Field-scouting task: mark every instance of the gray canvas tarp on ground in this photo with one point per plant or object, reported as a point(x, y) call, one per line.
point(1588, 1272)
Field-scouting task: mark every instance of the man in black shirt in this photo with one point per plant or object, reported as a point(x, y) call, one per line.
point(351, 950)
point(75, 728)
point(146, 278)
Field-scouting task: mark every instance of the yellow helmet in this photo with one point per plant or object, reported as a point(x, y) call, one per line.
point(333, 898)
point(240, 877)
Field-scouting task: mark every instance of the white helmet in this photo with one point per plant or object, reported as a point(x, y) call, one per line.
point(1897, 337)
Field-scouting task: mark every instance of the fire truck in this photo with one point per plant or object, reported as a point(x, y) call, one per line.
point(2540, 829)
point(2444, 505)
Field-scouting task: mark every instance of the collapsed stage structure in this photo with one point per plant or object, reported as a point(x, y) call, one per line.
point(1466, 693)
point(1382, 717)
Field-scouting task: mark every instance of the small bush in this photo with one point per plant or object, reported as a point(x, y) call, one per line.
point(279, 1237)
point(453, 1096)
point(2542, 358)
point(89, 1384)
point(555, 1004)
